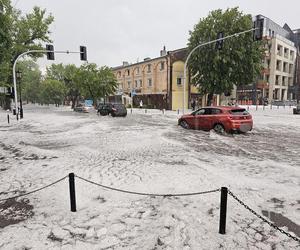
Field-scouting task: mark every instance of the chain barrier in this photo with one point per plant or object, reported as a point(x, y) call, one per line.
point(147, 194)
point(262, 218)
point(33, 191)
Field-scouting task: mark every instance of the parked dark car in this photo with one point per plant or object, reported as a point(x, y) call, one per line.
point(221, 119)
point(114, 109)
point(296, 111)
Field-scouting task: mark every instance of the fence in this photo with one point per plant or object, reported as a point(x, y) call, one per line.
point(223, 200)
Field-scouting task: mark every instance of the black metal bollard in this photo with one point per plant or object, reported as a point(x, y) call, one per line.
point(177, 111)
point(271, 106)
point(145, 111)
point(8, 118)
point(223, 210)
point(72, 192)
point(264, 107)
point(277, 106)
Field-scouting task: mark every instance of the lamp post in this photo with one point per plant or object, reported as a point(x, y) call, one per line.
point(201, 45)
point(19, 76)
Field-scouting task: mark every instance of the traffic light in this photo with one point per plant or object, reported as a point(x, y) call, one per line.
point(219, 44)
point(10, 92)
point(83, 54)
point(259, 28)
point(50, 53)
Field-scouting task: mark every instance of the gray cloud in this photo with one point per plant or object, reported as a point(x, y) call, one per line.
point(127, 30)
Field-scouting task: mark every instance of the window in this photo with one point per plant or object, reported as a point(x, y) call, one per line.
point(119, 73)
point(273, 33)
point(136, 83)
point(128, 84)
point(283, 81)
point(278, 65)
point(149, 82)
point(290, 68)
point(199, 112)
point(141, 83)
point(149, 68)
point(286, 52)
point(137, 70)
point(279, 50)
point(179, 82)
point(277, 80)
point(292, 55)
point(270, 32)
point(162, 65)
point(215, 111)
point(285, 67)
point(128, 72)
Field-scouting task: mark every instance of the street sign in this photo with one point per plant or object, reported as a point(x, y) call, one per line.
point(88, 103)
point(133, 93)
point(3, 90)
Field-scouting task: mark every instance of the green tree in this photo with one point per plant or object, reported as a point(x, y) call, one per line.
point(97, 83)
point(18, 34)
point(52, 92)
point(30, 81)
point(238, 63)
point(69, 75)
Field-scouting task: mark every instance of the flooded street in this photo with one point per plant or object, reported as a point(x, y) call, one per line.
point(146, 152)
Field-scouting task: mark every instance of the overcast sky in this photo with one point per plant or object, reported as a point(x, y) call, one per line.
point(130, 30)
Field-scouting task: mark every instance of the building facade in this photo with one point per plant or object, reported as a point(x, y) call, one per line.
point(157, 82)
point(277, 80)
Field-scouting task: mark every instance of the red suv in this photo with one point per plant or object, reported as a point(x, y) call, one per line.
point(221, 119)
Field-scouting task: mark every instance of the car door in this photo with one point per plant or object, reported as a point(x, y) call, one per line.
point(198, 118)
point(214, 117)
point(206, 119)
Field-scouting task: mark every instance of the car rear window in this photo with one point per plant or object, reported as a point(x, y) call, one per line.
point(239, 112)
point(119, 106)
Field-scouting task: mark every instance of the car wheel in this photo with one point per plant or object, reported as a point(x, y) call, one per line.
point(219, 128)
point(184, 124)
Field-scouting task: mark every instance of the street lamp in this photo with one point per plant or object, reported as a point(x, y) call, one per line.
point(19, 76)
point(201, 45)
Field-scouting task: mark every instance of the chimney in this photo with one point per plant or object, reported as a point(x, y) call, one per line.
point(163, 52)
point(125, 63)
point(147, 58)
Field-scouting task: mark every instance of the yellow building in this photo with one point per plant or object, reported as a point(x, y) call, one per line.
point(158, 82)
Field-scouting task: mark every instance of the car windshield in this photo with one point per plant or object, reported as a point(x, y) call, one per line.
point(239, 112)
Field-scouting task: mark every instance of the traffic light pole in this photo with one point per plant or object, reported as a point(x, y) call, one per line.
point(14, 70)
point(201, 45)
